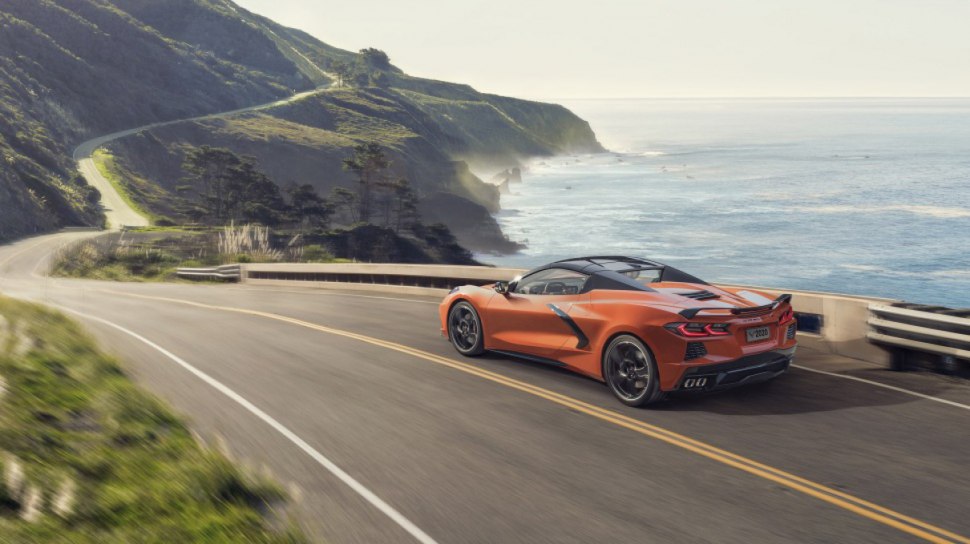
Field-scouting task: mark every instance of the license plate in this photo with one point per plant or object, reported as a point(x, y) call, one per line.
point(758, 334)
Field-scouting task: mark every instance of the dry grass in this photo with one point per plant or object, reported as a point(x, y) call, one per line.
point(248, 243)
point(115, 258)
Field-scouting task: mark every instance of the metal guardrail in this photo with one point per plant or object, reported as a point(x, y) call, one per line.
point(431, 277)
point(229, 272)
point(915, 332)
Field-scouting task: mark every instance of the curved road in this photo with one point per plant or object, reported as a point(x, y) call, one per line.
point(498, 450)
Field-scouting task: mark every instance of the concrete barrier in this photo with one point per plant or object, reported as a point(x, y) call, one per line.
point(842, 319)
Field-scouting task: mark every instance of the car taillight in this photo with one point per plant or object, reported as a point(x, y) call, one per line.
point(787, 316)
point(698, 330)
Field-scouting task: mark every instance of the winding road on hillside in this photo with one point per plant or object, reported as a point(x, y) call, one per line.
point(119, 214)
point(385, 434)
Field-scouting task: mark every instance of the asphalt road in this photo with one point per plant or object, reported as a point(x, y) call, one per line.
point(386, 434)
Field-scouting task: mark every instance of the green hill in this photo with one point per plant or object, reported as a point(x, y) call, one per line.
point(75, 69)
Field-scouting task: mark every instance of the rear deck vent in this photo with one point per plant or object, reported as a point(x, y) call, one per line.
point(695, 350)
point(699, 295)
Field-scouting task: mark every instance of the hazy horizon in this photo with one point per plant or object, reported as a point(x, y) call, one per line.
point(656, 49)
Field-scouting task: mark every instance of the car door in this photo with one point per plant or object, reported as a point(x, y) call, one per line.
point(533, 317)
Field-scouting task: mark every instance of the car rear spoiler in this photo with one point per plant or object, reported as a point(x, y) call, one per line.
point(690, 313)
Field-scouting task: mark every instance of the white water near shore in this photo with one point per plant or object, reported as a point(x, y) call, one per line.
point(863, 196)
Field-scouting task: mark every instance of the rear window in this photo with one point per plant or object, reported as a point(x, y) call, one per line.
point(644, 276)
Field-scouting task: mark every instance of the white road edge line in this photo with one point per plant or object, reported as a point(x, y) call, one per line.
point(326, 463)
point(885, 386)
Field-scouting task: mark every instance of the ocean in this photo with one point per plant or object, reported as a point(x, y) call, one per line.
point(857, 196)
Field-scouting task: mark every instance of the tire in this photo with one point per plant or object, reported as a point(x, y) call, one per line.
point(465, 329)
point(630, 371)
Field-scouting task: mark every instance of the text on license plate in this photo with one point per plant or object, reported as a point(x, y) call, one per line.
point(758, 334)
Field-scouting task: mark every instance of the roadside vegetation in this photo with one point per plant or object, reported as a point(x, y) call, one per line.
point(377, 220)
point(155, 253)
point(234, 213)
point(88, 457)
point(220, 187)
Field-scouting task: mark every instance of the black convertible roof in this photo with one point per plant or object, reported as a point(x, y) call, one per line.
point(607, 271)
point(608, 262)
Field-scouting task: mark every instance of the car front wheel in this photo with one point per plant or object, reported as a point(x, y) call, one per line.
point(465, 329)
point(630, 371)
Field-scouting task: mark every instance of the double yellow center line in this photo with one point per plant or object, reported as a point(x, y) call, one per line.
point(891, 518)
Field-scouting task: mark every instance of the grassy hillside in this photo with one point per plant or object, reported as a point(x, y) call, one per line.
point(489, 130)
point(74, 69)
point(87, 457)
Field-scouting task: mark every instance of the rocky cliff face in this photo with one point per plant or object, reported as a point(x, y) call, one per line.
point(74, 69)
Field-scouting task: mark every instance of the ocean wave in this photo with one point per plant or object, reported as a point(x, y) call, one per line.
point(789, 197)
point(863, 268)
point(955, 273)
point(940, 212)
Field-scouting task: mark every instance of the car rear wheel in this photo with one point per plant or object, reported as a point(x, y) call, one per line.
point(465, 329)
point(630, 371)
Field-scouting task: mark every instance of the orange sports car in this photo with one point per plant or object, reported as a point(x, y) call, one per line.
point(642, 327)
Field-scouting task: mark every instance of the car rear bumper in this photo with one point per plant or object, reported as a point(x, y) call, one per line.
point(746, 370)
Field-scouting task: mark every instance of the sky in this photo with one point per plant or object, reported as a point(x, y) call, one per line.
point(657, 48)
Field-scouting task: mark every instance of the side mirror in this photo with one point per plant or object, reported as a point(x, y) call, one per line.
point(502, 287)
point(511, 285)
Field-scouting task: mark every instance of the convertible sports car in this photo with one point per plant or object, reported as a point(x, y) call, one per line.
point(642, 327)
